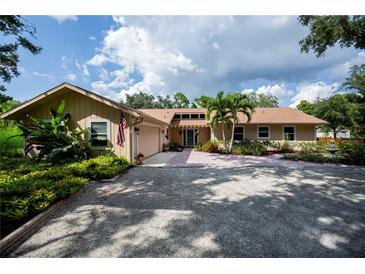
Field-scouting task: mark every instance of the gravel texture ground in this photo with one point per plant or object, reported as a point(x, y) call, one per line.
point(194, 204)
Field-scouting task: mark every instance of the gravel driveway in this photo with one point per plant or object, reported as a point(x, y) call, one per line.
point(205, 205)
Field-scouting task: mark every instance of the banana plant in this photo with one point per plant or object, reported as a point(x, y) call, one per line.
point(54, 139)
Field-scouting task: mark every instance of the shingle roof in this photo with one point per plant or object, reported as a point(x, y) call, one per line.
point(270, 115)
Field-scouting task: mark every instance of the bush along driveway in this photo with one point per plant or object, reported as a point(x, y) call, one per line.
point(247, 209)
point(28, 187)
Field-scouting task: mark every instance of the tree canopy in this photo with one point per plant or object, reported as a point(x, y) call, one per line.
point(306, 107)
point(326, 31)
point(144, 100)
point(203, 101)
point(262, 100)
point(17, 32)
point(181, 100)
point(336, 110)
point(356, 82)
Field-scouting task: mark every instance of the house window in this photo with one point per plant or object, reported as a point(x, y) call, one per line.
point(194, 116)
point(99, 133)
point(263, 132)
point(202, 116)
point(177, 117)
point(185, 116)
point(239, 134)
point(289, 133)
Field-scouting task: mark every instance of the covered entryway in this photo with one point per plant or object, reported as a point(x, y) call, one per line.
point(148, 140)
point(190, 137)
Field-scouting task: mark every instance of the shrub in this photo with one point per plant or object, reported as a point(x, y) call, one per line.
point(212, 146)
point(165, 147)
point(11, 145)
point(175, 147)
point(318, 158)
point(27, 187)
point(97, 168)
point(353, 153)
point(251, 148)
point(246, 147)
point(349, 153)
point(286, 147)
point(311, 147)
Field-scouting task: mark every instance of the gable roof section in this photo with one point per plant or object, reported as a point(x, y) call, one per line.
point(280, 115)
point(62, 89)
point(269, 115)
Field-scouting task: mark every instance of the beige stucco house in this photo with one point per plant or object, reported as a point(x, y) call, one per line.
point(148, 129)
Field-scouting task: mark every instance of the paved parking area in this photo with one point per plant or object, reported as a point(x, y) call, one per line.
point(193, 204)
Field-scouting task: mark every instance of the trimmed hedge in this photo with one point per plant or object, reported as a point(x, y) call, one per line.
point(27, 187)
point(247, 147)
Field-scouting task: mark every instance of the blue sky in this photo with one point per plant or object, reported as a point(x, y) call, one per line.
point(197, 55)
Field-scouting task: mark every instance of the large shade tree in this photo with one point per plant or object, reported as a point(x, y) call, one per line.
point(15, 33)
point(327, 31)
point(336, 110)
point(356, 82)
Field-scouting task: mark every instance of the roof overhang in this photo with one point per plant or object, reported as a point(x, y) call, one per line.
point(57, 91)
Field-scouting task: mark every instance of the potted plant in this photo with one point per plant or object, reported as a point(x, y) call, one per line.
point(139, 158)
point(165, 147)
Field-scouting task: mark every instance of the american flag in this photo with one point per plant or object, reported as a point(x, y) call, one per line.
point(122, 125)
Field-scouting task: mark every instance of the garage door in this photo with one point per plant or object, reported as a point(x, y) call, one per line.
point(148, 140)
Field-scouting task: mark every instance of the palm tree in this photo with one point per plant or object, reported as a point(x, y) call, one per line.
point(218, 107)
point(237, 103)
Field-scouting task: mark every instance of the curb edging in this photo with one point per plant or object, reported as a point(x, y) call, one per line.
point(21, 232)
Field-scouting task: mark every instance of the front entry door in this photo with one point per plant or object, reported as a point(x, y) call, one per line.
point(190, 138)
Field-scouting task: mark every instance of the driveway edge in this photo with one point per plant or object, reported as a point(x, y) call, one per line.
point(22, 232)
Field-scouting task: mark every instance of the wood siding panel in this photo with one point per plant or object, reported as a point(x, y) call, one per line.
point(83, 108)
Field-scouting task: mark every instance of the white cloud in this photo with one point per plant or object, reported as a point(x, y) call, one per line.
point(279, 91)
point(216, 45)
point(313, 91)
point(85, 70)
point(103, 74)
point(181, 53)
point(119, 19)
point(43, 75)
point(97, 60)
point(134, 50)
point(62, 18)
point(71, 77)
point(92, 38)
point(77, 64)
point(340, 72)
point(247, 91)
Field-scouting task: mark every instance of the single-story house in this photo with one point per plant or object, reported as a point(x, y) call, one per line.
point(148, 129)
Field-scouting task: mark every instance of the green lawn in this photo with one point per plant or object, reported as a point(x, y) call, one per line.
point(28, 187)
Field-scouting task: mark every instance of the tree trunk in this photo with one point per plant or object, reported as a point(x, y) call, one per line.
point(212, 136)
point(224, 138)
point(334, 133)
point(231, 143)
